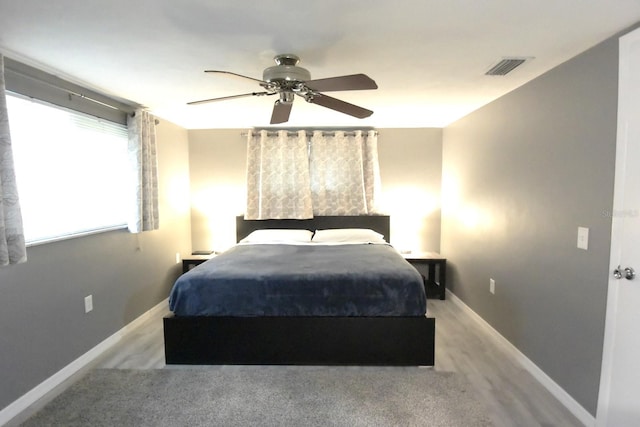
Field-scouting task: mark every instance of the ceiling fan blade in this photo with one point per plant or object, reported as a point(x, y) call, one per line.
point(223, 98)
point(352, 82)
point(234, 74)
point(281, 112)
point(341, 106)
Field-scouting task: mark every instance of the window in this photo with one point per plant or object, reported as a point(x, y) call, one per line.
point(71, 170)
point(291, 176)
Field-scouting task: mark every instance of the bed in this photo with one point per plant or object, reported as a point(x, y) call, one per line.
point(343, 320)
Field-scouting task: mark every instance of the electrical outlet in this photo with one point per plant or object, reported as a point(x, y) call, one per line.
point(88, 303)
point(178, 258)
point(492, 286)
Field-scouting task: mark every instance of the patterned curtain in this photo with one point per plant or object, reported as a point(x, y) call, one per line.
point(345, 176)
point(12, 246)
point(371, 172)
point(144, 170)
point(278, 176)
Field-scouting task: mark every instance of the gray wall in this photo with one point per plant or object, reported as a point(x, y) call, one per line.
point(411, 174)
point(410, 168)
point(519, 176)
point(217, 167)
point(43, 324)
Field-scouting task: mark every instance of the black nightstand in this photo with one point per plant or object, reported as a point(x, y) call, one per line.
point(436, 279)
point(190, 261)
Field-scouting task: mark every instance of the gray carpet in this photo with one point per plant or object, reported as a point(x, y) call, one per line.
point(266, 396)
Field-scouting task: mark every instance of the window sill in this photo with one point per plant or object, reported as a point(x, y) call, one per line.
point(74, 235)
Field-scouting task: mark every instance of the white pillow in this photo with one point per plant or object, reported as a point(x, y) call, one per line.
point(276, 235)
point(348, 235)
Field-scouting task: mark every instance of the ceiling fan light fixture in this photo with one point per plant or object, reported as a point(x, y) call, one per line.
point(286, 97)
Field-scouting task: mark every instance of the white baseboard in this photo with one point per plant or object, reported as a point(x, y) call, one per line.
point(32, 396)
point(558, 392)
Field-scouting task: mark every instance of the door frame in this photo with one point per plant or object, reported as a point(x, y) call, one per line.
point(617, 228)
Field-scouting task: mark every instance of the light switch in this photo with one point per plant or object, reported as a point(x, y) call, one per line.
point(583, 238)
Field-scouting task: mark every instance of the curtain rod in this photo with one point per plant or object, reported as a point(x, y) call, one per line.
point(310, 132)
point(72, 89)
point(156, 121)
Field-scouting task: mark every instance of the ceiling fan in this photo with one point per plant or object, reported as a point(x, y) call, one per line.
point(287, 79)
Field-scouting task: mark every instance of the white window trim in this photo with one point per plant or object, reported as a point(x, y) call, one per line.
point(70, 236)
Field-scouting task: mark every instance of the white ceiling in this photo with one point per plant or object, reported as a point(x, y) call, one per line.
point(428, 57)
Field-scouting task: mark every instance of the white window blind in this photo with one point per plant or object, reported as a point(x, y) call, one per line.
point(71, 170)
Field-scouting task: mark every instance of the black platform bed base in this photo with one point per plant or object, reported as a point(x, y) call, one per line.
point(393, 341)
point(366, 341)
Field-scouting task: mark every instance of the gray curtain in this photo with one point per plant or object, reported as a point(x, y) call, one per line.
point(12, 245)
point(143, 164)
point(278, 176)
point(345, 176)
point(332, 173)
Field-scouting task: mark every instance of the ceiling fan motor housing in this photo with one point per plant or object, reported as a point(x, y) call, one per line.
point(286, 70)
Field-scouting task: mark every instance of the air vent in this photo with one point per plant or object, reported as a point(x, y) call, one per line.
point(505, 66)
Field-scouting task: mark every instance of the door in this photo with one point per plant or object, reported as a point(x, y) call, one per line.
point(619, 398)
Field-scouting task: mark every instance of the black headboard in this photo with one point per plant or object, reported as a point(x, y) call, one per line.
point(379, 223)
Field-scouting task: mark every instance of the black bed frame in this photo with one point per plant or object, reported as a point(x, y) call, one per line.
point(393, 341)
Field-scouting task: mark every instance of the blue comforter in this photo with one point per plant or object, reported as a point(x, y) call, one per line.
point(301, 280)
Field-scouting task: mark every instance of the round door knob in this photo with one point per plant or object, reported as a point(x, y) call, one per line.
point(628, 273)
point(617, 273)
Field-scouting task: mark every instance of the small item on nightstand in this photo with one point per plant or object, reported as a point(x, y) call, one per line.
point(202, 252)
